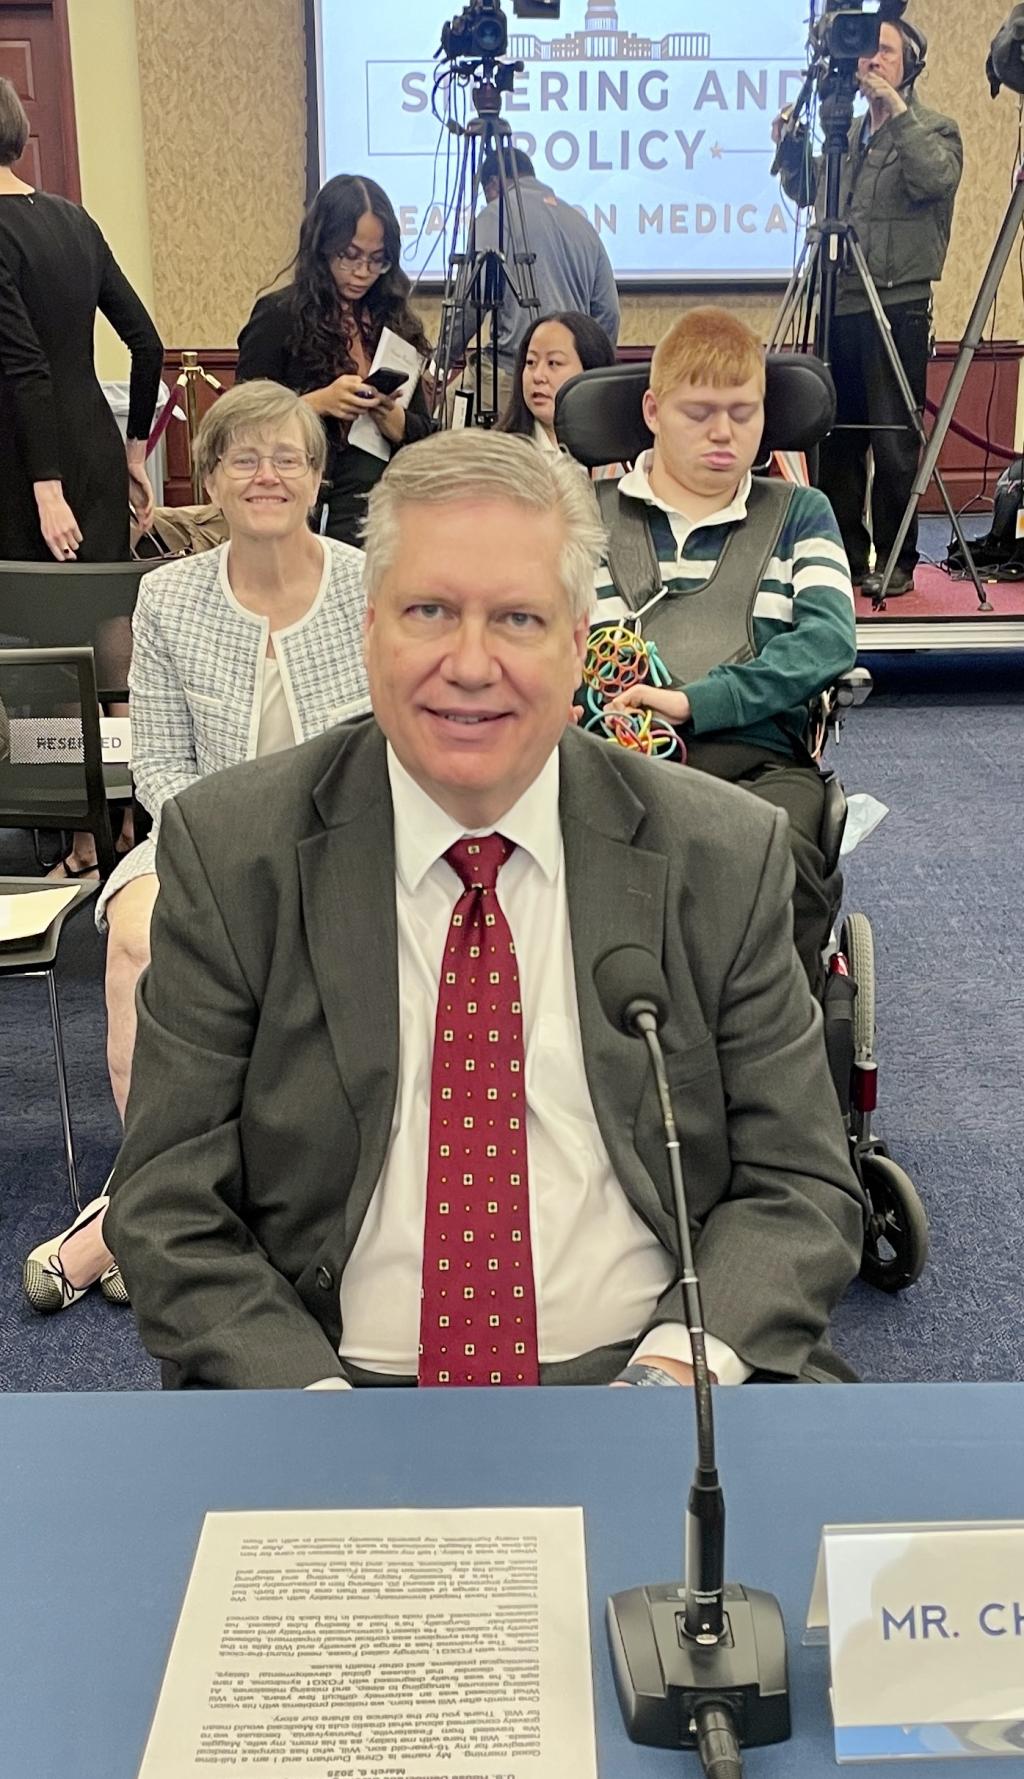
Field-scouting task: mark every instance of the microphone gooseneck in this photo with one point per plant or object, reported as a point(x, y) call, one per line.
point(634, 995)
point(703, 1665)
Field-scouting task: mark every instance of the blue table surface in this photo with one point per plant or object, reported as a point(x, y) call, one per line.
point(103, 1496)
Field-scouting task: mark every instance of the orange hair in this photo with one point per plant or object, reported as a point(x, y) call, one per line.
point(706, 345)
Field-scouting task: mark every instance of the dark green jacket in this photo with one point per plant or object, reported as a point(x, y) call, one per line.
point(897, 190)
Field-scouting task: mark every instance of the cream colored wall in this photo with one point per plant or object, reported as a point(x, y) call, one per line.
point(959, 33)
point(217, 95)
point(108, 109)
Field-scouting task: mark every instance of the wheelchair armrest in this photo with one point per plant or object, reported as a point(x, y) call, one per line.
point(852, 689)
point(833, 823)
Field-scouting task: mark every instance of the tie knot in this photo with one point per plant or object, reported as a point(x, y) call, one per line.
point(478, 861)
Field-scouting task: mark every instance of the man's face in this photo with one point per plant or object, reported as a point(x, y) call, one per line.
point(472, 653)
point(706, 439)
point(887, 61)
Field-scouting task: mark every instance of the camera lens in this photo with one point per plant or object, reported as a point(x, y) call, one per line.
point(490, 36)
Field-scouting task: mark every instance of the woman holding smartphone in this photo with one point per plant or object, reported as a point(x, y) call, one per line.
point(319, 333)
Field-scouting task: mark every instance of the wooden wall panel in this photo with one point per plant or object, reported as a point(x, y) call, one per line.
point(988, 405)
point(178, 471)
point(35, 56)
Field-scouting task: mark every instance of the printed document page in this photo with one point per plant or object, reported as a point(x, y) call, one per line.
point(404, 1644)
point(27, 916)
point(392, 354)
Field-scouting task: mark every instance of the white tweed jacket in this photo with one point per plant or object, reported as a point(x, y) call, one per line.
point(196, 677)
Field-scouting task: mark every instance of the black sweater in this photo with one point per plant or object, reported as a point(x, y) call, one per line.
point(56, 270)
point(264, 350)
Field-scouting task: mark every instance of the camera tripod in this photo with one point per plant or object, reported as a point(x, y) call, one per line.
point(831, 248)
point(968, 347)
point(477, 280)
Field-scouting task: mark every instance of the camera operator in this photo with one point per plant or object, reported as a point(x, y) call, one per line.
point(571, 267)
point(899, 181)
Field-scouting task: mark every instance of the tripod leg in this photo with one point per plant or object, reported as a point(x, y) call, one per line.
point(458, 279)
point(793, 300)
point(896, 364)
point(968, 346)
point(514, 257)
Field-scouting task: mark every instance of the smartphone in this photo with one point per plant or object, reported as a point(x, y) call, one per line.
point(386, 382)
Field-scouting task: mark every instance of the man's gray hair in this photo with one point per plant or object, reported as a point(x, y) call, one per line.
point(470, 464)
point(249, 409)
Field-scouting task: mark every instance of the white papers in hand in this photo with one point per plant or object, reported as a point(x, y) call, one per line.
point(28, 916)
point(392, 354)
point(392, 1645)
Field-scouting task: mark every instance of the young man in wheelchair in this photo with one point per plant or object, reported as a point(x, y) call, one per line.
point(725, 606)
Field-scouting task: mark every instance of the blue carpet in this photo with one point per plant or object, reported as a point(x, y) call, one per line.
point(94, 1345)
point(940, 742)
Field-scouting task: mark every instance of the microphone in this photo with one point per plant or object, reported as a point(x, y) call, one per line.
point(702, 1665)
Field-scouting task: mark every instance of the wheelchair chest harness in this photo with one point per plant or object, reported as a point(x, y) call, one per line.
point(712, 625)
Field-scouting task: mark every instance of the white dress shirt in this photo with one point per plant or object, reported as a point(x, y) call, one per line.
point(599, 1270)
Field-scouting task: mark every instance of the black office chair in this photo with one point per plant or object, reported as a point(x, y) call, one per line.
point(79, 605)
point(51, 776)
point(37, 956)
point(50, 605)
point(599, 420)
point(51, 766)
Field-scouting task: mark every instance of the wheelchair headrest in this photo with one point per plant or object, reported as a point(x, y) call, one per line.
point(599, 414)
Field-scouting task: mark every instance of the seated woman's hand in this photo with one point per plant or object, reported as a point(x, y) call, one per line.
point(661, 699)
point(345, 399)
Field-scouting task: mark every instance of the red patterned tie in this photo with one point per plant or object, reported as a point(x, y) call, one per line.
point(478, 1319)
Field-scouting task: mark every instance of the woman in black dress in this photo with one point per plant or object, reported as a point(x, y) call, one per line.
point(318, 336)
point(65, 476)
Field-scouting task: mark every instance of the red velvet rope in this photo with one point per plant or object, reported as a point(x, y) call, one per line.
point(163, 423)
point(974, 438)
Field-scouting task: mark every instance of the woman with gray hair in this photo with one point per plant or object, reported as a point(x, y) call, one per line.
point(237, 652)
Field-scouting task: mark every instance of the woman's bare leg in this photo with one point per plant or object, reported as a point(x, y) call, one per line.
point(128, 916)
point(85, 1255)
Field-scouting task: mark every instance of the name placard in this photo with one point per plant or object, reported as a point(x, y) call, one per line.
point(925, 1627)
point(55, 741)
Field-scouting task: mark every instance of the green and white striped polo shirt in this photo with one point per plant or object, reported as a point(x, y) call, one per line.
point(804, 625)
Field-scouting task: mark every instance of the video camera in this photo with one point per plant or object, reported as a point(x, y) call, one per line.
point(479, 33)
point(844, 34)
point(1005, 65)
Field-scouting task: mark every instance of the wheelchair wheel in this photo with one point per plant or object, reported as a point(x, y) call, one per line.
point(896, 1239)
point(856, 942)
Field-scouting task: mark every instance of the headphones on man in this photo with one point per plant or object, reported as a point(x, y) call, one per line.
point(915, 54)
point(915, 43)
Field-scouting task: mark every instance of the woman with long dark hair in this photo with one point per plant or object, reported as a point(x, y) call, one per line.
point(319, 333)
point(553, 349)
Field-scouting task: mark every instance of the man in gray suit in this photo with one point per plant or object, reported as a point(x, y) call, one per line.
point(304, 1198)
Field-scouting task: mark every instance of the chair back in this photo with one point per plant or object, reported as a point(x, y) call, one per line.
point(599, 414)
point(75, 605)
point(51, 763)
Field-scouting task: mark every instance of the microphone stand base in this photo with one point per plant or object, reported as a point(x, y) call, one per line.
point(662, 1675)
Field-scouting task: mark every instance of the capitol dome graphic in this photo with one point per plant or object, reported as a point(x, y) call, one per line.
point(603, 37)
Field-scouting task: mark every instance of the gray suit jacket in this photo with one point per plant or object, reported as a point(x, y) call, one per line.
point(265, 1069)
